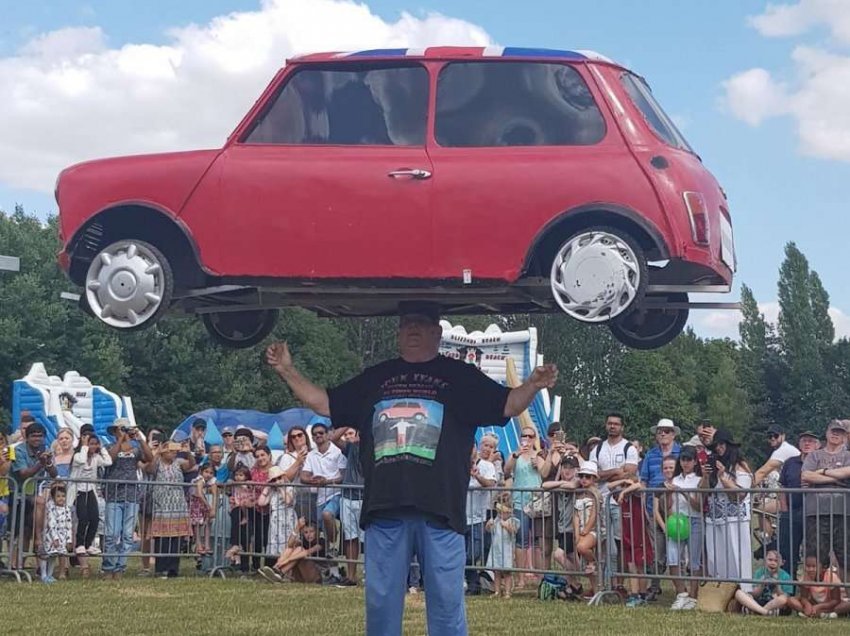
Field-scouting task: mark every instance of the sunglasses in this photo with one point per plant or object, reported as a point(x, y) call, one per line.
point(227, 434)
point(318, 433)
point(586, 476)
point(529, 436)
point(297, 435)
point(773, 436)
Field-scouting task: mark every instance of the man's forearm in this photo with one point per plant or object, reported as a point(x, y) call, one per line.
point(519, 398)
point(311, 395)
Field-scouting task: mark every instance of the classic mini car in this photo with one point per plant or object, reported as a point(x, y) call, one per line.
point(403, 411)
point(492, 180)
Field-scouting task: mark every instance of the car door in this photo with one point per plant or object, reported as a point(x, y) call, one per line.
point(331, 180)
point(515, 144)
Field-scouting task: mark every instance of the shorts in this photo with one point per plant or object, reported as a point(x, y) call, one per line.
point(636, 541)
point(690, 558)
point(566, 541)
point(525, 536)
point(349, 516)
point(331, 506)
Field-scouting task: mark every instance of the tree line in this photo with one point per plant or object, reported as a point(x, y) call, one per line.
point(792, 373)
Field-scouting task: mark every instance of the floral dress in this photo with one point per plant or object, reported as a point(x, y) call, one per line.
point(170, 512)
point(58, 521)
point(282, 519)
point(501, 553)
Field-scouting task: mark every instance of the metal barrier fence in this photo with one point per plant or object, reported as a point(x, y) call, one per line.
point(585, 546)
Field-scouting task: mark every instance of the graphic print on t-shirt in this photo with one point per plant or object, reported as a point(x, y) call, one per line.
point(407, 427)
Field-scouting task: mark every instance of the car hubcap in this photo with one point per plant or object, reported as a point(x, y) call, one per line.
point(125, 284)
point(595, 276)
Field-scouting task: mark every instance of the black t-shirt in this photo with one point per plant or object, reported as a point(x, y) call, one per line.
point(417, 426)
point(790, 477)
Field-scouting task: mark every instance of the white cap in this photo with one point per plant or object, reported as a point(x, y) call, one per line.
point(588, 468)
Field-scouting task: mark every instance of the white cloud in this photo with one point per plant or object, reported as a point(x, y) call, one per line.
point(818, 96)
point(724, 323)
point(70, 97)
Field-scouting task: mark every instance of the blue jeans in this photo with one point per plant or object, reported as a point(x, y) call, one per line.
point(390, 544)
point(120, 523)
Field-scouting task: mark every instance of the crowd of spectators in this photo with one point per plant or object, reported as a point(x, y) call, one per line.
point(553, 504)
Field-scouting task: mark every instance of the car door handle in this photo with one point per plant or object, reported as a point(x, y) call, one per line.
point(414, 173)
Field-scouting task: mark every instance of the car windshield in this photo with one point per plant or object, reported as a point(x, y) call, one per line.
point(655, 116)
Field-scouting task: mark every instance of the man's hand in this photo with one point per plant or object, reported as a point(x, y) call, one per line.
point(544, 377)
point(278, 357)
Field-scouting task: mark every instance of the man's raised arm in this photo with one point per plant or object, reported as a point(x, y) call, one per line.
point(311, 395)
point(520, 397)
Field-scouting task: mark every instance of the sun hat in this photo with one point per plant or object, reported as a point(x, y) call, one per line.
point(724, 436)
point(275, 472)
point(588, 468)
point(665, 422)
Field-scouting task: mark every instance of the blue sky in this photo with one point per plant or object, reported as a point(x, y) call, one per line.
point(781, 187)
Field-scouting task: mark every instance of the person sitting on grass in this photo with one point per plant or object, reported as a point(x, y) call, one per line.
point(294, 563)
point(770, 596)
point(813, 600)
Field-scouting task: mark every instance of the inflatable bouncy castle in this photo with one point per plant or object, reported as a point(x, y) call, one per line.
point(507, 357)
point(66, 402)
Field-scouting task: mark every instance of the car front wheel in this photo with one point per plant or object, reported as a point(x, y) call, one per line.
point(599, 273)
point(129, 285)
point(651, 327)
point(240, 329)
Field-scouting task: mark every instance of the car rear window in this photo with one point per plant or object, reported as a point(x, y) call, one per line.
point(642, 97)
point(364, 106)
point(515, 104)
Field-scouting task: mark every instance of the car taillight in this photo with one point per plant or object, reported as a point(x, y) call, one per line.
point(698, 214)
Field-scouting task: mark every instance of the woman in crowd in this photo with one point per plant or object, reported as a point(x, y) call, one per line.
point(170, 513)
point(155, 437)
point(88, 460)
point(525, 468)
point(63, 453)
point(260, 476)
point(292, 462)
point(728, 538)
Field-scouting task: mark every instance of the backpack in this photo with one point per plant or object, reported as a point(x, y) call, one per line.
point(550, 586)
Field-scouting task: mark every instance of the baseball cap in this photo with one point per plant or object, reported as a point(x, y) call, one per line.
point(199, 423)
point(837, 425)
point(570, 460)
point(775, 429)
point(723, 436)
point(227, 430)
point(808, 434)
point(423, 308)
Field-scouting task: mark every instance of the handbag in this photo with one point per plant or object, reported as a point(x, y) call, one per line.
point(539, 506)
point(715, 597)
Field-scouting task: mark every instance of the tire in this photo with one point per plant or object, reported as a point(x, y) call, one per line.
point(598, 274)
point(128, 285)
point(240, 329)
point(651, 328)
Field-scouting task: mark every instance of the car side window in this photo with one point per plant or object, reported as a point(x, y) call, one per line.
point(515, 104)
point(642, 97)
point(385, 106)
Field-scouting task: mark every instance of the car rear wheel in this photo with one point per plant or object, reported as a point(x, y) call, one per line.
point(129, 285)
point(651, 327)
point(240, 329)
point(598, 274)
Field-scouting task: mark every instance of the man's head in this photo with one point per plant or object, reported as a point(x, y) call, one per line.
point(836, 433)
point(243, 440)
point(216, 454)
point(419, 330)
point(705, 431)
point(665, 431)
point(199, 427)
point(775, 436)
point(320, 434)
point(808, 442)
point(614, 424)
point(35, 436)
point(26, 420)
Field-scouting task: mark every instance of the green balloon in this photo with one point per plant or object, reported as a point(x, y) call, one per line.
point(678, 527)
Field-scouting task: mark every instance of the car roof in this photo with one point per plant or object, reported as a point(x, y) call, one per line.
point(458, 52)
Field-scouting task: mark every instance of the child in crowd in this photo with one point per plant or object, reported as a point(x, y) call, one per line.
point(636, 542)
point(770, 596)
point(587, 503)
point(684, 556)
point(564, 488)
point(280, 498)
point(57, 530)
point(202, 500)
point(501, 555)
point(242, 503)
point(813, 600)
point(294, 562)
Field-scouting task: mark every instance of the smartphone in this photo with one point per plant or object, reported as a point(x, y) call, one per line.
point(560, 436)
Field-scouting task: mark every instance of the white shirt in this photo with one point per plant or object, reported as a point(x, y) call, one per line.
point(784, 453)
point(330, 465)
point(285, 462)
point(477, 499)
point(681, 501)
point(611, 457)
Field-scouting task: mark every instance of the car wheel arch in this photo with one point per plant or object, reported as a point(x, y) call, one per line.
point(549, 239)
point(142, 221)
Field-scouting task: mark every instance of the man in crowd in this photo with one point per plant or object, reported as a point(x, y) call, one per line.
point(791, 504)
point(122, 499)
point(617, 458)
point(217, 461)
point(197, 443)
point(414, 498)
point(781, 451)
point(325, 467)
point(351, 502)
point(243, 450)
point(827, 514)
point(651, 476)
point(482, 474)
point(32, 462)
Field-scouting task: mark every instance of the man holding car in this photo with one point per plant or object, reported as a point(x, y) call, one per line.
point(415, 495)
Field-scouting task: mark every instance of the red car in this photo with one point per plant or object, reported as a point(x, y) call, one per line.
point(492, 180)
point(403, 411)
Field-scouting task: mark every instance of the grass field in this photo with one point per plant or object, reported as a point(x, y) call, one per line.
point(195, 605)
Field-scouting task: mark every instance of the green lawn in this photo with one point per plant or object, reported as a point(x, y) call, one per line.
point(195, 605)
